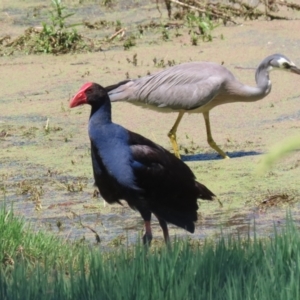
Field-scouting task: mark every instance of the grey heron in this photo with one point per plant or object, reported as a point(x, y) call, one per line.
point(197, 87)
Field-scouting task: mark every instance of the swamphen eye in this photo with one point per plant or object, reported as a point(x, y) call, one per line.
point(88, 91)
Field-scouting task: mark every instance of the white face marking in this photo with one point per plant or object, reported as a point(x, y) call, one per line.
point(282, 61)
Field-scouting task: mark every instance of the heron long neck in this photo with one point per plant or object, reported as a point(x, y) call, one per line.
point(262, 79)
point(246, 93)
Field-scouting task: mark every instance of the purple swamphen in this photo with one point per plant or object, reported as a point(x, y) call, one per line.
point(129, 167)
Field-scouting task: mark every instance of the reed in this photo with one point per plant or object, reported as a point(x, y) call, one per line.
point(228, 268)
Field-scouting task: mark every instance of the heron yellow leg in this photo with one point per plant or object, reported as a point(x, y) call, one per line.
point(172, 134)
point(210, 140)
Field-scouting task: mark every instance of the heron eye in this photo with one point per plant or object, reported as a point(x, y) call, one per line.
point(286, 65)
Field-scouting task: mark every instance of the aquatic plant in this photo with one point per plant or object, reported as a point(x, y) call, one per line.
point(41, 266)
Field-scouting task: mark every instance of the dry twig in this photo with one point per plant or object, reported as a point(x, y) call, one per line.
point(98, 240)
point(121, 31)
point(203, 9)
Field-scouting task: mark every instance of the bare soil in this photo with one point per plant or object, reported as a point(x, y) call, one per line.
point(45, 167)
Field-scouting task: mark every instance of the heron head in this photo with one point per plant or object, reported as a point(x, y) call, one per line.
point(281, 62)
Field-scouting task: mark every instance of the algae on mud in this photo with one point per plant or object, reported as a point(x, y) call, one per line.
point(37, 88)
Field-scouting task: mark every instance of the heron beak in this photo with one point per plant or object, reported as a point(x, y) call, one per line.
point(295, 70)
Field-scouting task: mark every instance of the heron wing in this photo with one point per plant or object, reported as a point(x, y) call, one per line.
point(186, 86)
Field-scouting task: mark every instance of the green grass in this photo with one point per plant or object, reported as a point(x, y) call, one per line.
point(41, 266)
point(20, 244)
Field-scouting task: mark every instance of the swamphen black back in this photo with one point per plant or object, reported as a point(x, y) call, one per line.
point(127, 166)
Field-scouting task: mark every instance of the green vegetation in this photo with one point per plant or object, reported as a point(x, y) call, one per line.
point(55, 36)
point(161, 63)
point(20, 245)
point(129, 42)
point(279, 151)
point(107, 3)
point(200, 26)
point(165, 34)
point(41, 266)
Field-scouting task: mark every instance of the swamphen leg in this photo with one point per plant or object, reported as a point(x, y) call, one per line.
point(164, 226)
point(146, 215)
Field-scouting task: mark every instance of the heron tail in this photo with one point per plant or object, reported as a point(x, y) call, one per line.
point(120, 91)
point(114, 86)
